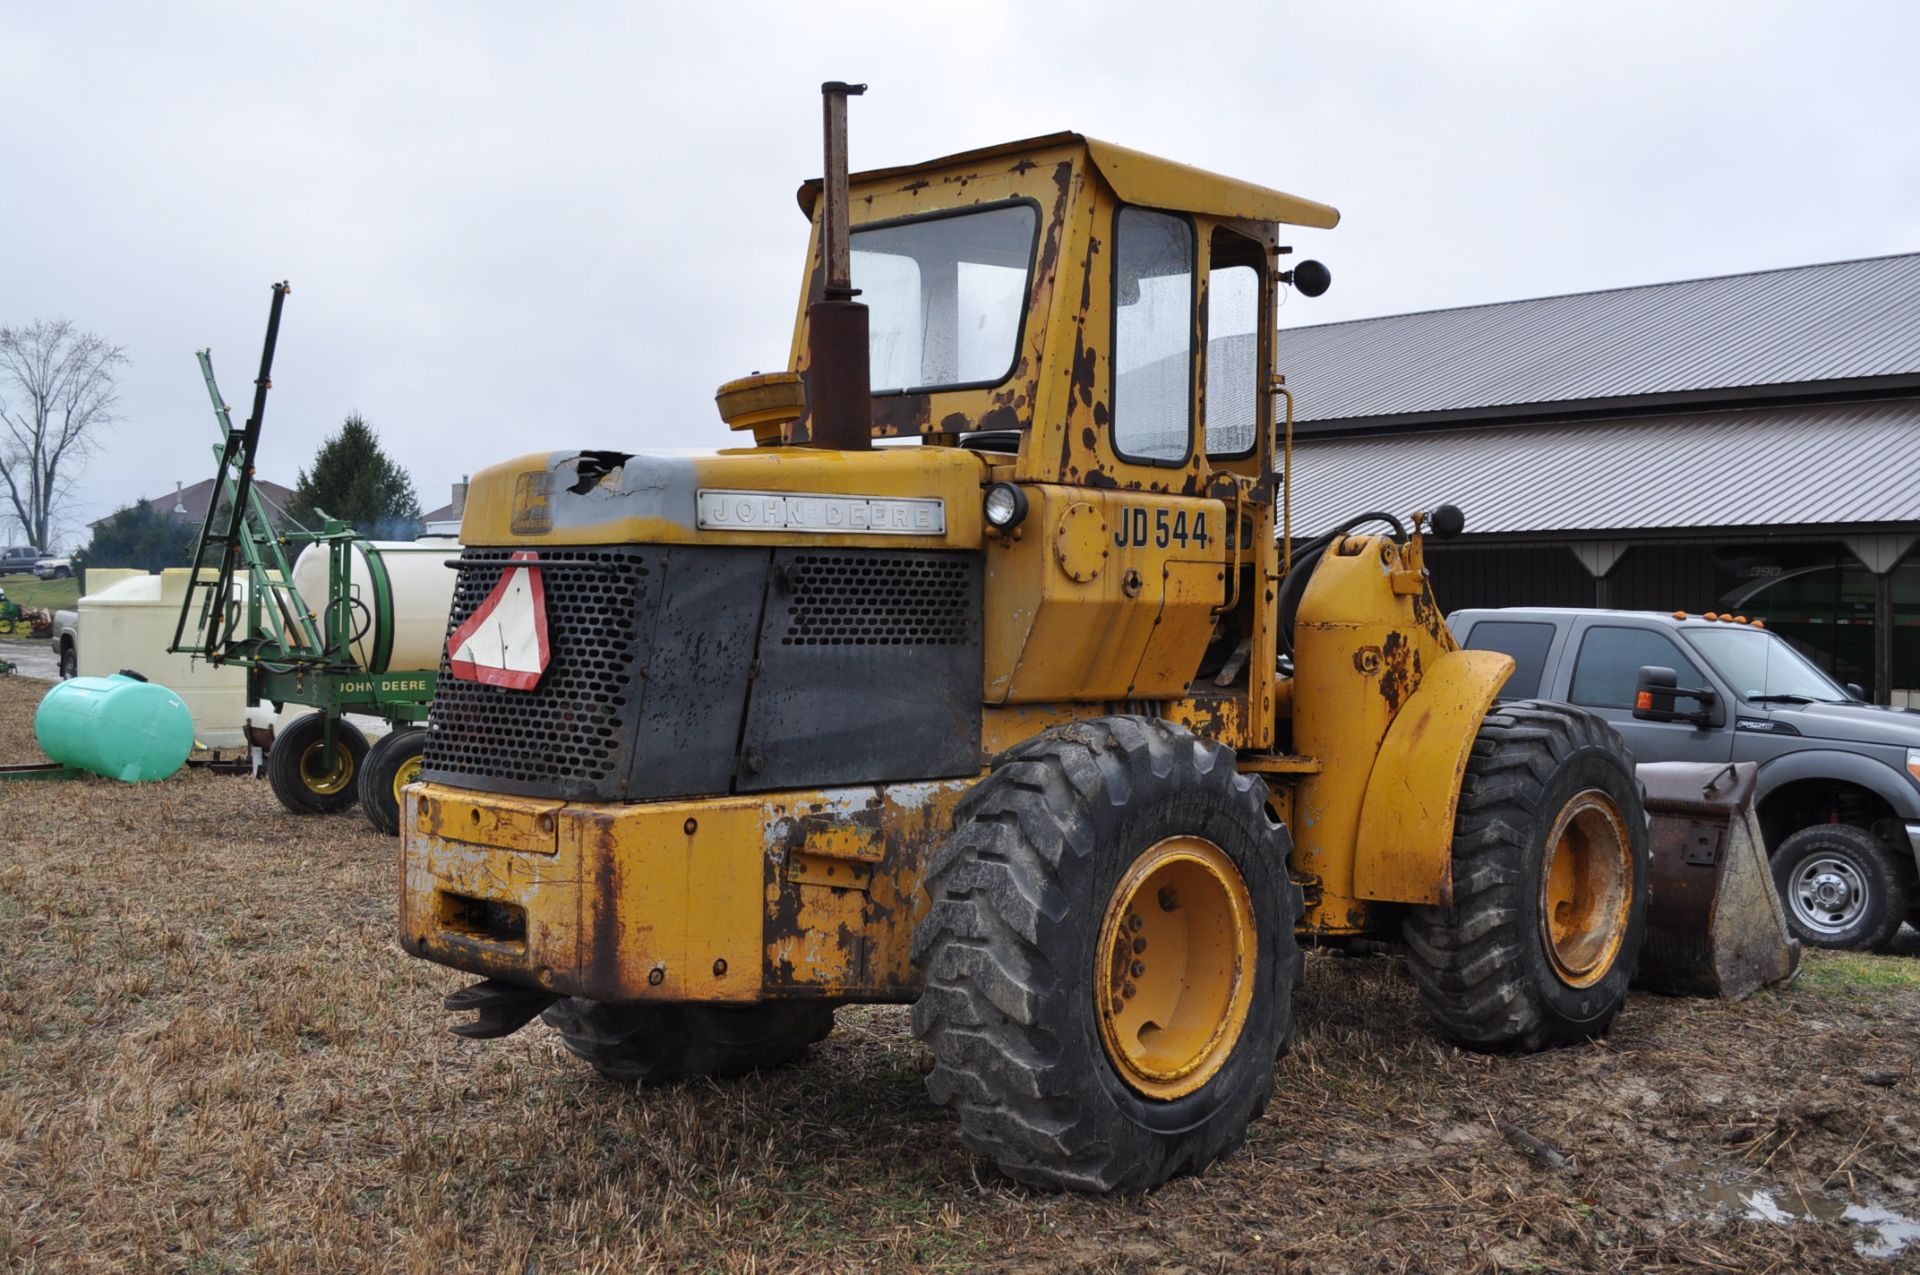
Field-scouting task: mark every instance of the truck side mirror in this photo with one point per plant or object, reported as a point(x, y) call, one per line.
point(1656, 694)
point(1856, 690)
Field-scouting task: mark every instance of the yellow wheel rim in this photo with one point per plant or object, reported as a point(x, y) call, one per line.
point(408, 773)
point(330, 780)
point(1174, 972)
point(1586, 888)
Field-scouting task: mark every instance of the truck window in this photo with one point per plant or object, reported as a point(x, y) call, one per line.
point(1608, 670)
point(1526, 641)
point(1153, 336)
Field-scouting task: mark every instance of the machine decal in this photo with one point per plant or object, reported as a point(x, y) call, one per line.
point(787, 511)
point(1161, 528)
point(504, 643)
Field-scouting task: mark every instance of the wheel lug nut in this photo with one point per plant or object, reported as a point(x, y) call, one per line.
point(1168, 899)
point(1139, 946)
point(1118, 1004)
point(1133, 921)
point(1139, 968)
point(1128, 991)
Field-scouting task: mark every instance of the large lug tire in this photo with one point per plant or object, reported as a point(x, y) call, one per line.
point(1840, 887)
point(1550, 878)
point(69, 661)
point(1109, 957)
point(661, 1044)
point(297, 769)
point(392, 763)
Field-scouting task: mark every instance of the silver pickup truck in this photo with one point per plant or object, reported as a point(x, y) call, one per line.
point(1839, 782)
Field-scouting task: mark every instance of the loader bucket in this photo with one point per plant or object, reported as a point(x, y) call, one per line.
point(1714, 922)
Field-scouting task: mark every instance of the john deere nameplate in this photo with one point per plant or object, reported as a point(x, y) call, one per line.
point(789, 511)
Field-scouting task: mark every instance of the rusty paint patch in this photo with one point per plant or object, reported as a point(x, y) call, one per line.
point(1399, 670)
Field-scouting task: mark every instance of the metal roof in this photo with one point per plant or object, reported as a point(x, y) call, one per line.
point(1781, 466)
point(1137, 177)
point(1834, 322)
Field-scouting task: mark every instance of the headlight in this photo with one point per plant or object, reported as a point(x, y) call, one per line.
point(1913, 763)
point(1006, 505)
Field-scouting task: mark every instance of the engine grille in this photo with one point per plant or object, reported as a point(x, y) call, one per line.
point(869, 599)
point(571, 734)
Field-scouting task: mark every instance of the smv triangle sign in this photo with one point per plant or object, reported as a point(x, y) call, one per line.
point(504, 643)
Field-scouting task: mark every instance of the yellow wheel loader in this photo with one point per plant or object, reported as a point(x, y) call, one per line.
point(979, 679)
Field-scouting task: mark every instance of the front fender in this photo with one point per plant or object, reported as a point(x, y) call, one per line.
point(1404, 847)
point(1831, 763)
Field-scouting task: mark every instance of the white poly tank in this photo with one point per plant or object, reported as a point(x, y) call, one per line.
point(399, 598)
point(127, 621)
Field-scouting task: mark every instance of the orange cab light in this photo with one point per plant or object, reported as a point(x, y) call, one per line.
point(1711, 616)
point(1679, 615)
point(1739, 619)
point(1759, 624)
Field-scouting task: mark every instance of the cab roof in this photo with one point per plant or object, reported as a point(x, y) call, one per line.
point(1138, 178)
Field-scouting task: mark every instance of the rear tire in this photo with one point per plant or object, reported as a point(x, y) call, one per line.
point(1536, 949)
point(392, 763)
point(1083, 844)
point(301, 781)
point(660, 1044)
point(1840, 888)
point(69, 661)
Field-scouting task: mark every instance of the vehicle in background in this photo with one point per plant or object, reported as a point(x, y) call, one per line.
point(1839, 782)
point(66, 641)
point(19, 559)
point(54, 568)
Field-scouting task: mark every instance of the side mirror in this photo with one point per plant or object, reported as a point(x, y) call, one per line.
point(1856, 690)
point(1657, 692)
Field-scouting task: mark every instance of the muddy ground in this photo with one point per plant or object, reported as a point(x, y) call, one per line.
point(213, 1057)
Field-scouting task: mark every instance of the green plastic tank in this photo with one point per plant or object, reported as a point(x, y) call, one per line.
point(123, 727)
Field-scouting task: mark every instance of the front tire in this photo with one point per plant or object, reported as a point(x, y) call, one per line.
point(660, 1044)
point(1840, 886)
point(1550, 871)
point(392, 763)
point(1109, 957)
point(298, 768)
point(69, 661)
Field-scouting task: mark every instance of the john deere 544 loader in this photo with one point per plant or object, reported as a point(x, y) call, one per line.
point(980, 680)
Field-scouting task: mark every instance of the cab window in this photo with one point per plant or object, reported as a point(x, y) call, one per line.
point(1235, 267)
point(1608, 670)
point(1153, 336)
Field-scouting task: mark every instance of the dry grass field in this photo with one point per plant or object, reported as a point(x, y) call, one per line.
point(213, 1057)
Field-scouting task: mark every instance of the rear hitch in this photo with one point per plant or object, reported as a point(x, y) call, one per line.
point(504, 1008)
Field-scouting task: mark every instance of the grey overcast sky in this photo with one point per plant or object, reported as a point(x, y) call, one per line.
point(511, 227)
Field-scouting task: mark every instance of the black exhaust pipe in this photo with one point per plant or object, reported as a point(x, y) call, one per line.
point(839, 382)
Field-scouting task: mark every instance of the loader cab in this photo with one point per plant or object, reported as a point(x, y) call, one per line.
point(1101, 315)
point(1095, 326)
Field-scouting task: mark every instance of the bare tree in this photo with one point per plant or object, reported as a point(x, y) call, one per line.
point(56, 392)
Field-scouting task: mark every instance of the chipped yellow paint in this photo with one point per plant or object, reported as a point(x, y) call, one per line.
point(1406, 817)
point(719, 899)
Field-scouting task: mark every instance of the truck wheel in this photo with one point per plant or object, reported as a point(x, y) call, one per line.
point(69, 661)
point(392, 763)
point(301, 779)
point(1109, 957)
point(1840, 887)
point(659, 1044)
point(1550, 870)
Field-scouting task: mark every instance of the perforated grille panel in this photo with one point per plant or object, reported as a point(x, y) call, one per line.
point(867, 599)
point(570, 735)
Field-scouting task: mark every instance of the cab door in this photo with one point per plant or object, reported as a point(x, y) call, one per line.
point(1606, 666)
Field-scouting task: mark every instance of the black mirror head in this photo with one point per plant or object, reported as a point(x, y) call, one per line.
point(1310, 277)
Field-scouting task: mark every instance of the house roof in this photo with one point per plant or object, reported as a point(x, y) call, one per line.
point(190, 503)
point(1812, 465)
point(1844, 326)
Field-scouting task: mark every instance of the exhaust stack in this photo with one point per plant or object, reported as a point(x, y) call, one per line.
point(839, 399)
